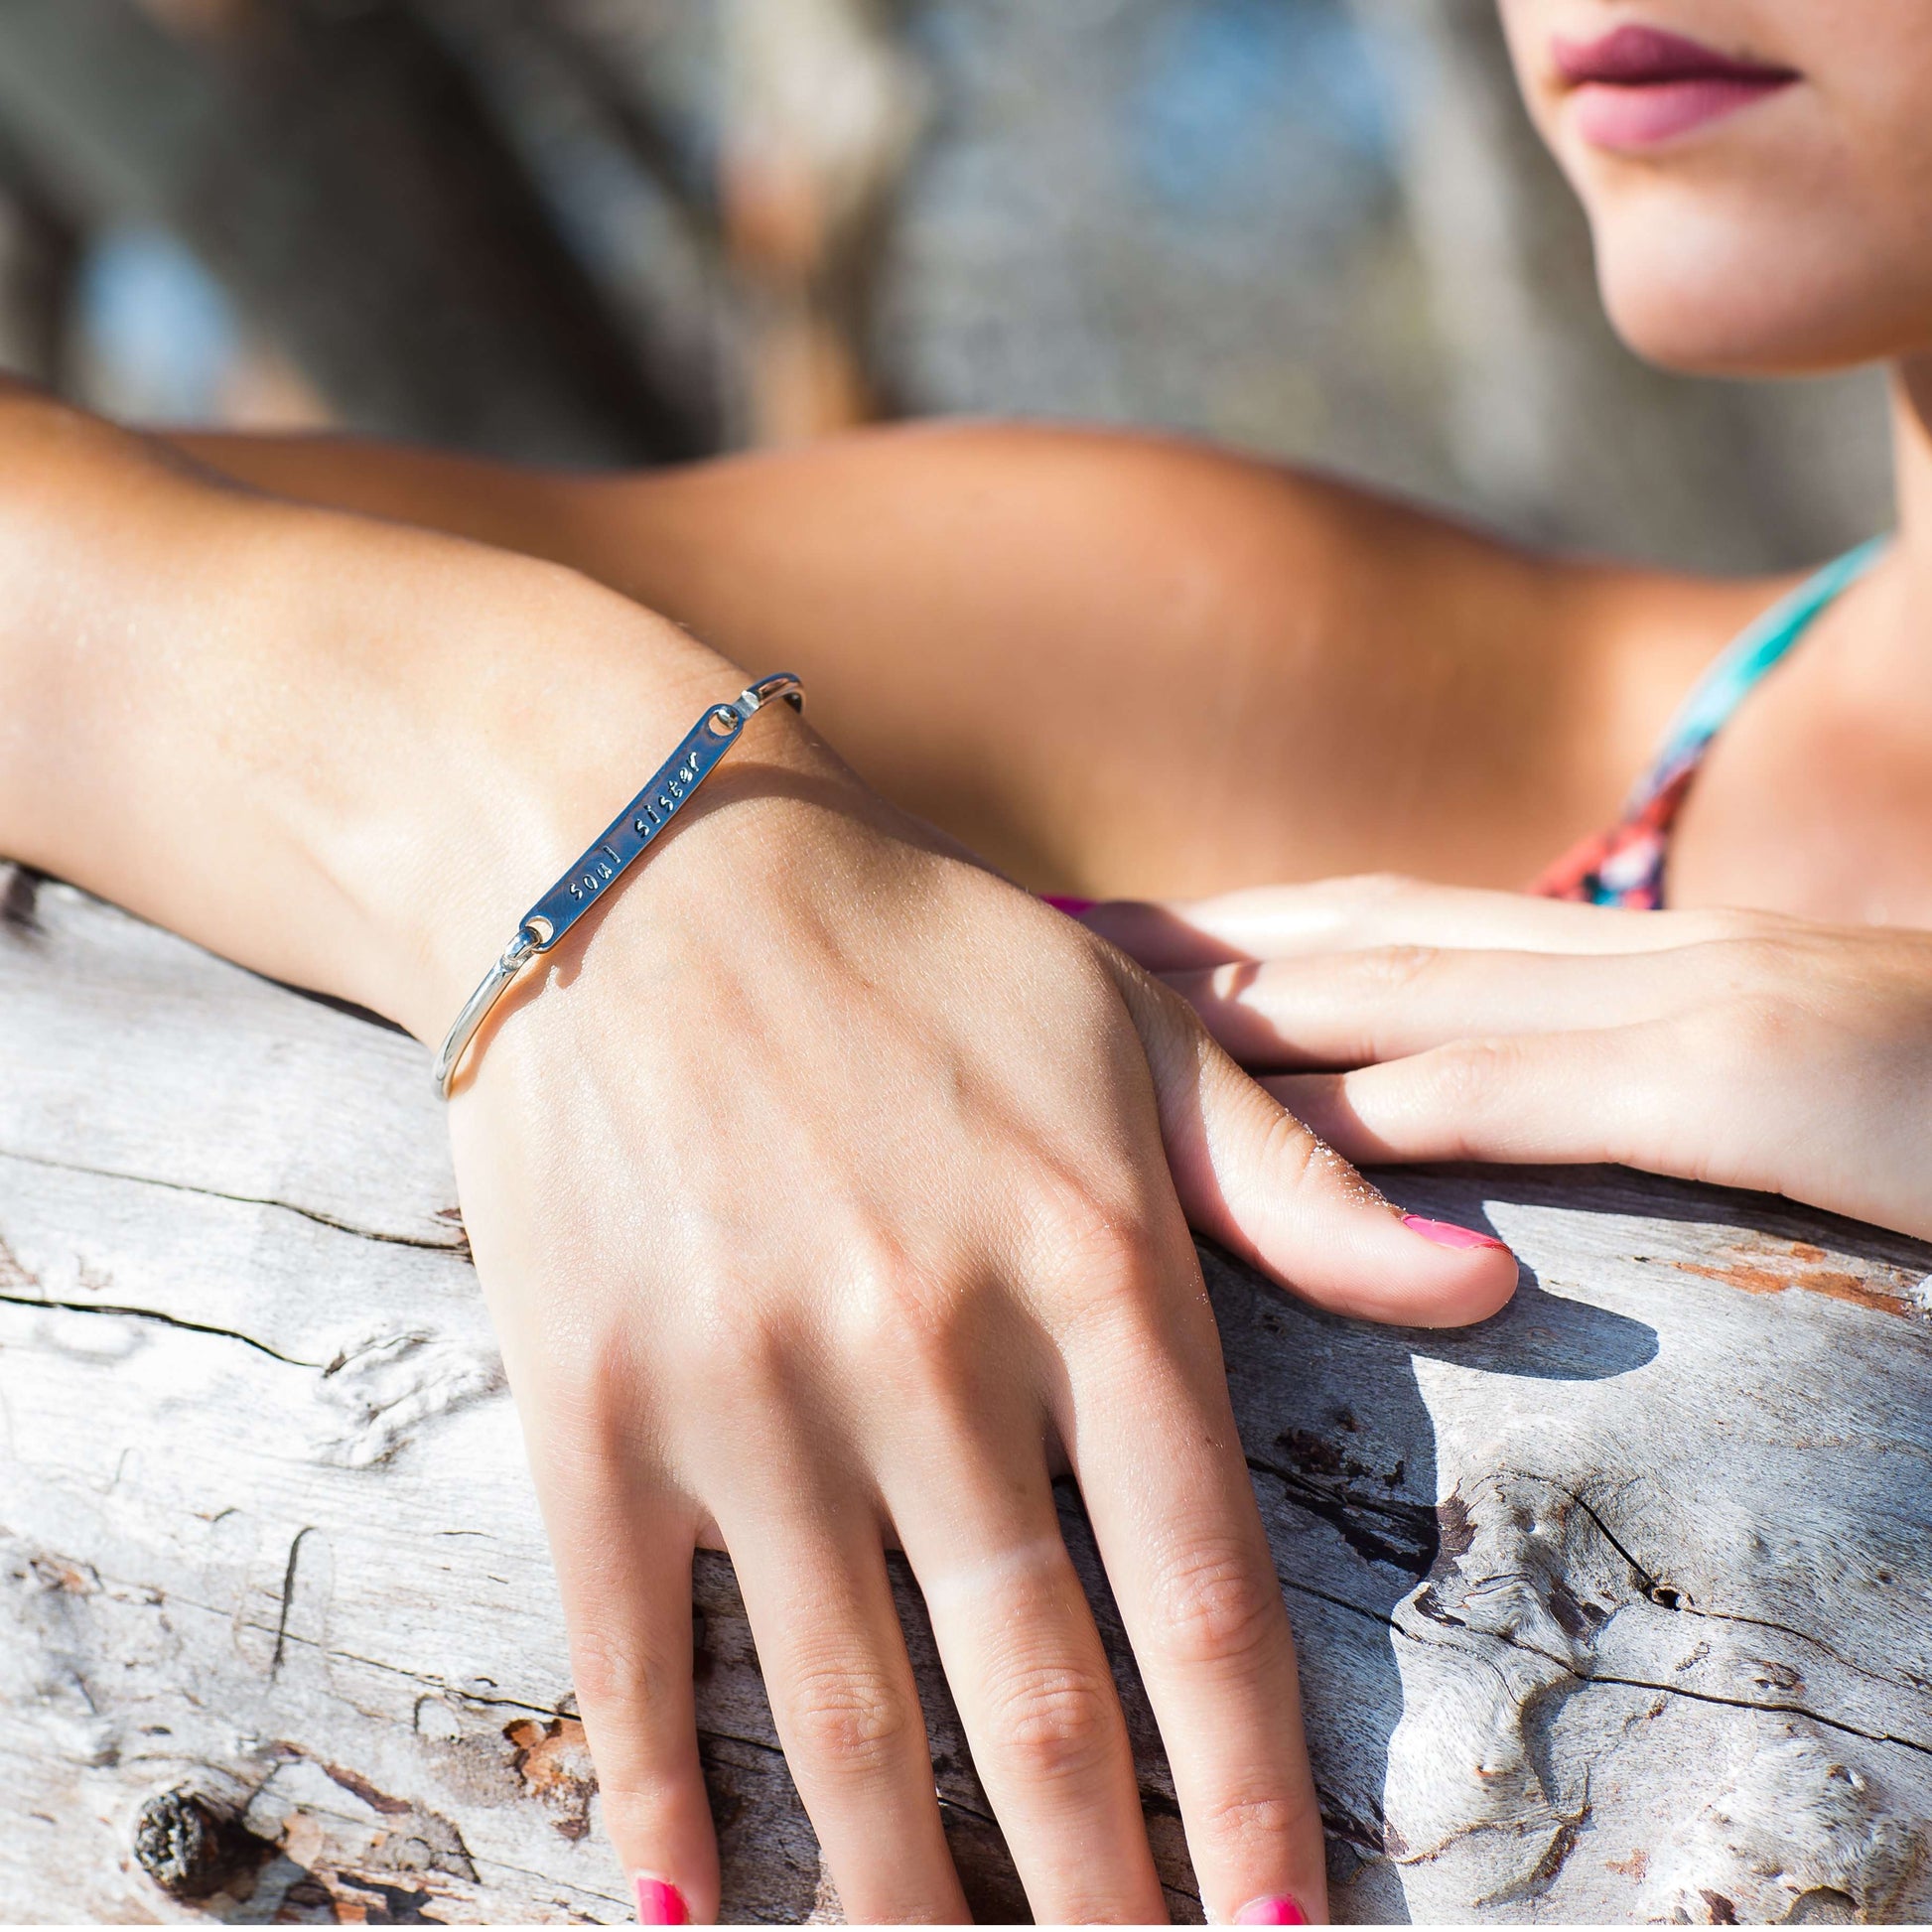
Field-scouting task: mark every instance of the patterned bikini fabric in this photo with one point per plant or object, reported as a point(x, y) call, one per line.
point(1625, 866)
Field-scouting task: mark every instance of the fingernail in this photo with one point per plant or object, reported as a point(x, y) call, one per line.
point(1445, 1234)
point(659, 1902)
point(1281, 1910)
point(1072, 907)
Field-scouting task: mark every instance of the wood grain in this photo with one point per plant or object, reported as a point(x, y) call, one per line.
point(1617, 1607)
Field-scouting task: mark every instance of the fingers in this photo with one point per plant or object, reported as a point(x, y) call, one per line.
point(1250, 1176)
point(846, 1705)
point(1348, 1009)
point(1352, 914)
point(1167, 1490)
point(1559, 1097)
point(624, 1563)
point(1036, 1697)
point(962, 1456)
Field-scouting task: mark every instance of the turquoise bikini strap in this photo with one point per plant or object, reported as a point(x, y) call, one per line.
point(1755, 649)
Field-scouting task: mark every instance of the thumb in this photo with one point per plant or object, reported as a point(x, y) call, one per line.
point(1254, 1179)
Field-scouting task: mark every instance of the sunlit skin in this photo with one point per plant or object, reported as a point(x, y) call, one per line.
point(349, 751)
point(1790, 236)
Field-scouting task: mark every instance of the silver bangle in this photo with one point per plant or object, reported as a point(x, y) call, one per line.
point(624, 843)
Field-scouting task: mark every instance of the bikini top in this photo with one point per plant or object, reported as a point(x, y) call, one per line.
point(1625, 865)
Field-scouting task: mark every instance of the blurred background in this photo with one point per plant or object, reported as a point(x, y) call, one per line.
point(624, 232)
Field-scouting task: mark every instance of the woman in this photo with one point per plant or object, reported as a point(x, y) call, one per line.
point(829, 1191)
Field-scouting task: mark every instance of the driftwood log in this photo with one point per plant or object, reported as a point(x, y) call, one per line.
point(1619, 1607)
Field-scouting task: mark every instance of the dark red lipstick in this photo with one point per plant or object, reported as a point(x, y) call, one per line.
point(1638, 86)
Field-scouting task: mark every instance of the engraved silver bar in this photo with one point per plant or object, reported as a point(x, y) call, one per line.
point(624, 842)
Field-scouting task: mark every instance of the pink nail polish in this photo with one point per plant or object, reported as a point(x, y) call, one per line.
point(1445, 1234)
point(659, 1902)
point(1072, 907)
point(1281, 1910)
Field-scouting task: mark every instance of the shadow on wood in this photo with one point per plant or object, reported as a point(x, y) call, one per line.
point(1616, 1607)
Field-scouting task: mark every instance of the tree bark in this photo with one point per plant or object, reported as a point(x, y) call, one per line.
point(1616, 1607)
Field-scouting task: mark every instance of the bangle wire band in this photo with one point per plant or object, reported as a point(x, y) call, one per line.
point(624, 843)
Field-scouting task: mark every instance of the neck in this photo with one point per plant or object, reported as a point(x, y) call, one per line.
point(1912, 448)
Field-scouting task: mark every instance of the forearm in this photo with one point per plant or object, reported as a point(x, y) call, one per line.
point(319, 744)
point(1115, 663)
point(1111, 663)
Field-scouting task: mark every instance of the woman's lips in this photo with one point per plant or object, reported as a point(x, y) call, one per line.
point(1639, 86)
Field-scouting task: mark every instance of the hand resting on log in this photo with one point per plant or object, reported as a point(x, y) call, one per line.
point(1743, 1048)
point(1613, 1609)
point(828, 1191)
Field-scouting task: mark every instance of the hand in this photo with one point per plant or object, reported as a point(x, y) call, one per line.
point(1738, 1048)
point(820, 1186)
point(831, 1193)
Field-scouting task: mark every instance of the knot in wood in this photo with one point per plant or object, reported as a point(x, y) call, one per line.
point(187, 1848)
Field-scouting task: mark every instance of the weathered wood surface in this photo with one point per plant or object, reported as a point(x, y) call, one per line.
point(1620, 1607)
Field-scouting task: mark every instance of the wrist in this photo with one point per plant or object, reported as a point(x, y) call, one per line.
point(343, 753)
point(517, 778)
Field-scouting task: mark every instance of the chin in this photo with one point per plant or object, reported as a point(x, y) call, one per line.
point(1709, 297)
